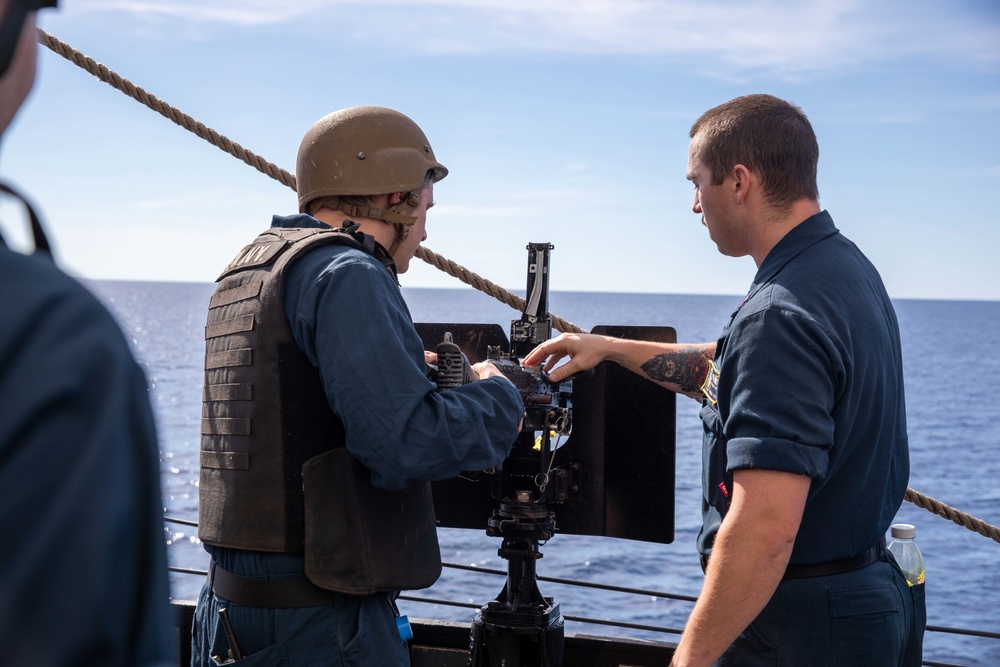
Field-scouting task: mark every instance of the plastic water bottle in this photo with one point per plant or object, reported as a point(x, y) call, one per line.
point(906, 552)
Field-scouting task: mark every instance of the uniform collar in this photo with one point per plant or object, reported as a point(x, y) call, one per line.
point(375, 249)
point(807, 233)
point(297, 220)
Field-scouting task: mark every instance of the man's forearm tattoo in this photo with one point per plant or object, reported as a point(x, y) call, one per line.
point(686, 368)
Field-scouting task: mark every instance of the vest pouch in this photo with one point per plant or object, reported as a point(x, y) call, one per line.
point(361, 540)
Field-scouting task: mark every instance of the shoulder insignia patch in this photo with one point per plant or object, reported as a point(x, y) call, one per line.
point(710, 387)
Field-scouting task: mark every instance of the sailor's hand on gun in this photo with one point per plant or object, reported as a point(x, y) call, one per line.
point(480, 371)
point(585, 351)
point(485, 369)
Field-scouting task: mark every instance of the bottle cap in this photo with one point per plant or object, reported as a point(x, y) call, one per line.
point(903, 531)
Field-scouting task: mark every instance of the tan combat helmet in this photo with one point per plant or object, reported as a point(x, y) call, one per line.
point(365, 151)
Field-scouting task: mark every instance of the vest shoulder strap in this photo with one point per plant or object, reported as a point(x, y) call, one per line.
point(270, 244)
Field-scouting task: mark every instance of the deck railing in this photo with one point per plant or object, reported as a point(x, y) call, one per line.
point(646, 593)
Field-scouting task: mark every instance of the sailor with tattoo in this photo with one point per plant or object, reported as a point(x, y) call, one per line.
point(805, 449)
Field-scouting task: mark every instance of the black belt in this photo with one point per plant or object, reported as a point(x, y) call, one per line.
point(273, 593)
point(863, 559)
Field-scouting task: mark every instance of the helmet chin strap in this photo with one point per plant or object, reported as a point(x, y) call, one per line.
point(398, 215)
point(402, 231)
point(386, 214)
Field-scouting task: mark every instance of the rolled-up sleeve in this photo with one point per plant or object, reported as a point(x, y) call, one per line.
point(780, 377)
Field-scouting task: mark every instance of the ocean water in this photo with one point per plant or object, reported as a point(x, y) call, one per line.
point(953, 403)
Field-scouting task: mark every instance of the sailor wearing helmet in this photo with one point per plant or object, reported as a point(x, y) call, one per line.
point(321, 431)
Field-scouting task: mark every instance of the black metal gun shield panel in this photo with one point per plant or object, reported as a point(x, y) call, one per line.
point(620, 454)
point(624, 439)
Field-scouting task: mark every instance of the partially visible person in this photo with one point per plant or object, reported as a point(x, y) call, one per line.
point(321, 430)
point(805, 446)
point(83, 573)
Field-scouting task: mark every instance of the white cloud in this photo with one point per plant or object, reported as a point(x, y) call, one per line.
point(770, 35)
point(240, 12)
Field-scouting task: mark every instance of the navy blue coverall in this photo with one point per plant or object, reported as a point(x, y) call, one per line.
point(83, 566)
point(348, 316)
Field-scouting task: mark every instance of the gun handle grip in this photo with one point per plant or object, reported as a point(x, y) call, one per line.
point(450, 365)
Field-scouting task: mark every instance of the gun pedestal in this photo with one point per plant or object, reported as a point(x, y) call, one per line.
point(519, 628)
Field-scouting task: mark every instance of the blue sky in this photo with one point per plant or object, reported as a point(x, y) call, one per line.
point(561, 121)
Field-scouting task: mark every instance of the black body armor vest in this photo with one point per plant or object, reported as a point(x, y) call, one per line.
point(275, 473)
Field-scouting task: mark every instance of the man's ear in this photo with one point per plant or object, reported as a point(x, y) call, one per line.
point(742, 181)
point(396, 197)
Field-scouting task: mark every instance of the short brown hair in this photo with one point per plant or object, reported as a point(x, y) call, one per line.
point(769, 136)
